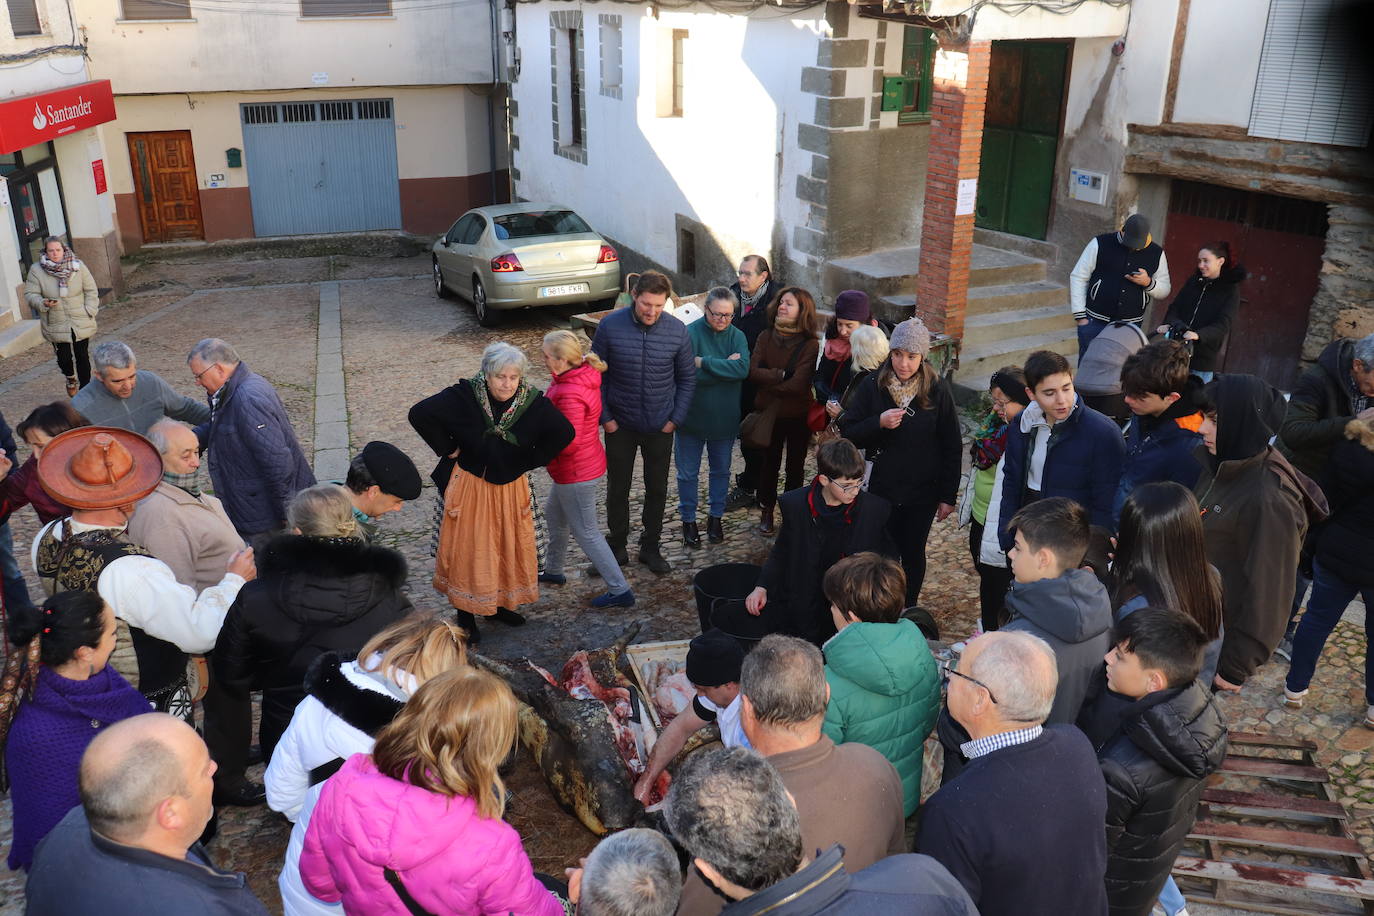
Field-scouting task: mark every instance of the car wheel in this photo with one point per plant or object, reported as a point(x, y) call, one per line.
point(440, 289)
point(486, 317)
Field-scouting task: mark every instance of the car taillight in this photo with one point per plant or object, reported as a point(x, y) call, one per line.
point(505, 263)
point(607, 255)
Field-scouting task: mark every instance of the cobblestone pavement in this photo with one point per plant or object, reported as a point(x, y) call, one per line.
point(401, 343)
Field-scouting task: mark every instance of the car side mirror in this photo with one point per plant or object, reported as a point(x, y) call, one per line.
point(443, 243)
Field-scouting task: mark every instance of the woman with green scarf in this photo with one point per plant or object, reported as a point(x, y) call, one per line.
point(489, 432)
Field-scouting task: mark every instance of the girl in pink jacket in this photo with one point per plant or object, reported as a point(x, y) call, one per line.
point(578, 469)
point(422, 814)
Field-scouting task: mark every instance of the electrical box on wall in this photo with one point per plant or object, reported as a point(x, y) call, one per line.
point(1089, 187)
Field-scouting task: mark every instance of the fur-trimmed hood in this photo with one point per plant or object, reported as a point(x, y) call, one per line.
point(369, 711)
point(1361, 431)
point(331, 557)
point(324, 581)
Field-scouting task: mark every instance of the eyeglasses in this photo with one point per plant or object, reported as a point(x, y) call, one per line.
point(197, 375)
point(950, 671)
point(998, 404)
point(847, 487)
point(720, 316)
point(748, 273)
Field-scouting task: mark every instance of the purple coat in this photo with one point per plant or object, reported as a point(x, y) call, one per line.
point(43, 752)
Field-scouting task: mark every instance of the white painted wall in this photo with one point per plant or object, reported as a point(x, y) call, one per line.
point(222, 47)
point(1221, 54)
point(718, 164)
point(1145, 64)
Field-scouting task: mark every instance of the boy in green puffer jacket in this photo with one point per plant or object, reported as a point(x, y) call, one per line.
point(884, 683)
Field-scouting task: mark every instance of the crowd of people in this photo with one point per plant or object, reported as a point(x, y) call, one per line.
point(1127, 572)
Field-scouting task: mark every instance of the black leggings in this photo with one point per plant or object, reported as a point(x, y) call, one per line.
point(793, 434)
point(993, 582)
point(909, 527)
point(74, 352)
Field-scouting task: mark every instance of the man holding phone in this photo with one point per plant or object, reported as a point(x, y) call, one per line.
point(1116, 278)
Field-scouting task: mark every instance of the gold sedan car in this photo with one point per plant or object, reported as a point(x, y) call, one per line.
point(512, 256)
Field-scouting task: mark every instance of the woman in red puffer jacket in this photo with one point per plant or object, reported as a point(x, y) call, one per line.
point(578, 469)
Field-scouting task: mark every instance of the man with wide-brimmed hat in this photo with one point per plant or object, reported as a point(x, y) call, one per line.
point(101, 472)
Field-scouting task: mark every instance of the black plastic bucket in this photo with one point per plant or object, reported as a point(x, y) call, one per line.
point(720, 592)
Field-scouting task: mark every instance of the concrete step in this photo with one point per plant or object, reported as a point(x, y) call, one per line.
point(20, 336)
point(985, 300)
point(893, 271)
point(1009, 325)
point(979, 361)
point(1034, 248)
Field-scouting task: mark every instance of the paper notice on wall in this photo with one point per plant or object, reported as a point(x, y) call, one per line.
point(967, 196)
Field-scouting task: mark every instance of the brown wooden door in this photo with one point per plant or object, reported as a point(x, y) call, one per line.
point(166, 186)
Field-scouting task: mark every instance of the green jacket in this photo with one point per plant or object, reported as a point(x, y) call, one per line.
point(884, 692)
point(715, 405)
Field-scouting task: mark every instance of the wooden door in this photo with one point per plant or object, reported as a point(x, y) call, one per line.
point(1280, 241)
point(1026, 82)
point(165, 185)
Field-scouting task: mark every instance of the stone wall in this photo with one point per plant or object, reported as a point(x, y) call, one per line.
point(1344, 306)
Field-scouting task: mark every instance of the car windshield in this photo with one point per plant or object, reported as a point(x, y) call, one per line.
point(538, 222)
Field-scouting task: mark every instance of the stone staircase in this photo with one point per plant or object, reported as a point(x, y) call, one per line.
point(1012, 309)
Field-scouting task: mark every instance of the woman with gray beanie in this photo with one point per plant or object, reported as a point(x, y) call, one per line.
point(903, 417)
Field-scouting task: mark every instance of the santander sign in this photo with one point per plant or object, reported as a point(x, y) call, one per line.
point(30, 119)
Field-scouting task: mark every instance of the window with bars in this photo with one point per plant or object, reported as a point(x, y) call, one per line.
point(374, 109)
point(344, 8)
point(155, 9)
point(259, 114)
point(336, 111)
point(24, 17)
point(308, 112)
point(298, 112)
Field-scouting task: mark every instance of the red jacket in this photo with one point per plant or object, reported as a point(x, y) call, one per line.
point(21, 488)
point(577, 393)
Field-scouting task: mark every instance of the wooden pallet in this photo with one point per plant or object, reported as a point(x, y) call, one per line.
point(1242, 829)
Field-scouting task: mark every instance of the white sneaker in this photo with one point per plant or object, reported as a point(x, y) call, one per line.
point(1293, 699)
point(1369, 717)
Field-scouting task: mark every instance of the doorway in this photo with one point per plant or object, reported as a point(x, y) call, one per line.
point(1026, 85)
point(1280, 240)
point(166, 186)
point(35, 190)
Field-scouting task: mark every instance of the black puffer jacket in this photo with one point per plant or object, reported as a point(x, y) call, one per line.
point(1321, 404)
point(312, 595)
point(1346, 542)
point(1208, 308)
point(1155, 763)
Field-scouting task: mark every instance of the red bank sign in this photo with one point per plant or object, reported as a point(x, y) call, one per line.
point(31, 119)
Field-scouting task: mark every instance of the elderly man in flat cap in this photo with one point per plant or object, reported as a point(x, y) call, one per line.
point(102, 473)
point(380, 478)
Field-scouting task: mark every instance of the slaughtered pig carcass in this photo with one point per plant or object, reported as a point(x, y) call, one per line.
point(588, 730)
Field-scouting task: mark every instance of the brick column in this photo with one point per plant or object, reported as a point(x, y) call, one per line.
point(956, 139)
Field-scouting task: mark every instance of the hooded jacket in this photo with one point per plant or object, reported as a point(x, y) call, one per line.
point(577, 395)
point(449, 858)
point(1321, 405)
point(312, 595)
point(1346, 543)
point(1082, 462)
point(885, 693)
point(43, 751)
point(651, 372)
point(1155, 762)
point(1073, 613)
point(1161, 448)
point(1256, 509)
point(1208, 308)
point(256, 464)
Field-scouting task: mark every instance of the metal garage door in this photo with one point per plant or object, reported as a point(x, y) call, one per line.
point(322, 166)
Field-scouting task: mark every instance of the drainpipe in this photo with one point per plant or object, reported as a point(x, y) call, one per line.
point(491, 99)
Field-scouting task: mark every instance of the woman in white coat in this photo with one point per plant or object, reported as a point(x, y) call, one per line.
point(347, 703)
point(61, 290)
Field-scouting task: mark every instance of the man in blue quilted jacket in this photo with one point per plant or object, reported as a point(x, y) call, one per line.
point(256, 464)
point(645, 393)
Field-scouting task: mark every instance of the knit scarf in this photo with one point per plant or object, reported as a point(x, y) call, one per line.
point(903, 392)
point(62, 269)
point(989, 443)
point(21, 671)
point(188, 482)
point(747, 303)
point(524, 397)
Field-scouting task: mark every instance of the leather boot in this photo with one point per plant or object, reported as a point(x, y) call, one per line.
point(691, 536)
point(715, 529)
point(72, 386)
point(469, 623)
point(765, 526)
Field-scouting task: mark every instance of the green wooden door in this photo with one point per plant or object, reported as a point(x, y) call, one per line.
point(1021, 136)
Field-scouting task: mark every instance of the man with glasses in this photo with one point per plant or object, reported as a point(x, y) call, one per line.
point(1021, 827)
point(712, 424)
point(753, 290)
point(823, 522)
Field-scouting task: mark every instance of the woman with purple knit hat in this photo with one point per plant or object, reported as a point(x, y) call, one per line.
point(836, 368)
point(58, 693)
point(904, 419)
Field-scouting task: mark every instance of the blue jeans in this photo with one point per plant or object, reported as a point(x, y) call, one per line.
point(16, 591)
point(1087, 333)
point(1171, 898)
point(687, 450)
point(1330, 596)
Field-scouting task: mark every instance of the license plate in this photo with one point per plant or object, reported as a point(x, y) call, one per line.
point(567, 290)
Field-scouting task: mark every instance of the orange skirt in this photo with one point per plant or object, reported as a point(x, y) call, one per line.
point(486, 557)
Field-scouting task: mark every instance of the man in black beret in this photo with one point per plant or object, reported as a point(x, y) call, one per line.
point(380, 478)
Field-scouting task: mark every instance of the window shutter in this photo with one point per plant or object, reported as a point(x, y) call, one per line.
point(24, 17)
point(157, 9)
point(345, 7)
point(1309, 86)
